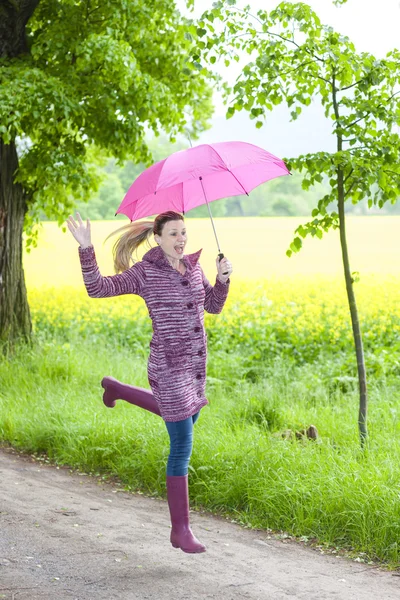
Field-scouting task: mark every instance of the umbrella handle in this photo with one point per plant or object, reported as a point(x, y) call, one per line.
point(221, 256)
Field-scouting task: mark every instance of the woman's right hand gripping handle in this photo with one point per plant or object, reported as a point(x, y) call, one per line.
point(79, 231)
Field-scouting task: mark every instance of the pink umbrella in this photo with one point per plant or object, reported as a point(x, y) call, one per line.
point(199, 175)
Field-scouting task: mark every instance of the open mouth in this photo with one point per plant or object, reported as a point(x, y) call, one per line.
point(179, 249)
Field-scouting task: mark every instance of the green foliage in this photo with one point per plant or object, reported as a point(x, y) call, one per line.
point(96, 77)
point(298, 59)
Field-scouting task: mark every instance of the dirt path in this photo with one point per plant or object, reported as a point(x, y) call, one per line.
point(66, 536)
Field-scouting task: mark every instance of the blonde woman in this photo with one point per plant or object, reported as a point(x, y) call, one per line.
point(176, 293)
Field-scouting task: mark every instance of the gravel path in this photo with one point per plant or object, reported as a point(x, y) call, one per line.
point(68, 536)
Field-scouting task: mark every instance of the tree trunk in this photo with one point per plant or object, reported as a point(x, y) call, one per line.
point(15, 321)
point(14, 15)
point(362, 375)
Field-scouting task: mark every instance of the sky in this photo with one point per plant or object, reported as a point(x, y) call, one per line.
point(372, 26)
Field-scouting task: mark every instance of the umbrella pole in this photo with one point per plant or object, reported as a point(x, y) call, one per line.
point(220, 255)
point(209, 212)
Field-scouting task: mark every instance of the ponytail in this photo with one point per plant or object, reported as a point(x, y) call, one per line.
point(135, 234)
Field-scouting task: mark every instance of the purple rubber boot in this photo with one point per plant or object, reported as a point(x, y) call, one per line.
point(178, 502)
point(115, 390)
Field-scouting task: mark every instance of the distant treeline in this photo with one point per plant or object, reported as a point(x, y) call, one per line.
point(283, 196)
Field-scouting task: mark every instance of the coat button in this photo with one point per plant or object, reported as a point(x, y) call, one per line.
point(198, 376)
point(197, 329)
point(184, 282)
point(200, 353)
point(190, 305)
point(199, 394)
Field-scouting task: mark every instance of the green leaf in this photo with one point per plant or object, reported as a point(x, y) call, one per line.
point(298, 243)
point(301, 231)
point(382, 179)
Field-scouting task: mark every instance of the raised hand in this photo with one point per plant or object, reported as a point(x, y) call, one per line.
point(79, 231)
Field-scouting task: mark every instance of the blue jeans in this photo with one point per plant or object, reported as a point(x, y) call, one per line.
point(181, 442)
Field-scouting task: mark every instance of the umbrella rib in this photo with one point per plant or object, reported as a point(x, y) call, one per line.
point(229, 171)
point(238, 182)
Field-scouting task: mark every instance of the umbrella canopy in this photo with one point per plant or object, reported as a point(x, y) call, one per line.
point(199, 175)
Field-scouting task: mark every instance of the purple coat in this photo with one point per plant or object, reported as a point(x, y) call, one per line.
point(176, 304)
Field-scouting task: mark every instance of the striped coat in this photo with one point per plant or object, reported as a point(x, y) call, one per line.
point(176, 304)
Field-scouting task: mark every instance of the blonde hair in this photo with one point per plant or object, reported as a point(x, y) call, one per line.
point(136, 234)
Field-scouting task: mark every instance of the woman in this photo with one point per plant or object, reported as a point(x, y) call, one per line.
point(176, 293)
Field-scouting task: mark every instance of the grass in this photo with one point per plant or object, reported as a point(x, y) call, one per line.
point(241, 466)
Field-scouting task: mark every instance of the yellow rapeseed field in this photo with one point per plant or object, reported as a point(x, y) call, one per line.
point(317, 306)
point(304, 293)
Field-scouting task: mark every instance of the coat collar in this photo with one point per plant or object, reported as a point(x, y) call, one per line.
point(157, 257)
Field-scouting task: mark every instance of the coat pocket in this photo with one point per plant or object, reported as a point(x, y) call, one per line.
point(177, 354)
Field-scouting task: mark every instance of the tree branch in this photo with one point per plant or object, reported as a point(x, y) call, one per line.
point(360, 119)
point(393, 95)
point(278, 35)
point(357, 148)
point(235, 37)
point(291, 70)
point(369, 112)
point(351, 186)
point(323, 79)
point(336, 110)
point(352, 85)
point(389, 172)
point(349, 175)
point(90, 12)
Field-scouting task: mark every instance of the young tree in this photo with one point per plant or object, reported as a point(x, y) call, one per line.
point(295, 59)
point(77, 77)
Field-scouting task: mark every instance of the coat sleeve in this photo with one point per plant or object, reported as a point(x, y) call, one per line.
point(215, 295)
point(129, 282)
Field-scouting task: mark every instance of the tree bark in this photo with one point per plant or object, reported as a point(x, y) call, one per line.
point(15, 321)
point(14, 15)
point(362, 374)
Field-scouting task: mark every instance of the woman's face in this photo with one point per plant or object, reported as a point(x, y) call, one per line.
point(173, 239)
